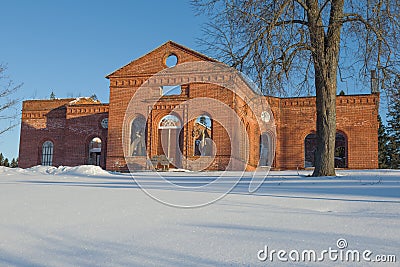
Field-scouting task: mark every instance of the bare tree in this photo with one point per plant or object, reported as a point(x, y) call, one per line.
point(8, 101)
point(292, 46)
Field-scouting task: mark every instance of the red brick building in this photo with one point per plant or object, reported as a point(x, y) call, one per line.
point(83, 131)
point(60, 132)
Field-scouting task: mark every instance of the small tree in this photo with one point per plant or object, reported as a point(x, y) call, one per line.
point(383, 140)
point(1, 159)
point(14, 163)
point(94, 97)
point(6, 163)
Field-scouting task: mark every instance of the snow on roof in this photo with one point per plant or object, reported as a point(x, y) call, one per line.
point(84, 100)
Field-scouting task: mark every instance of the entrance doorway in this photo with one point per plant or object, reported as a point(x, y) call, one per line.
point(169, 139)
point(95, 151)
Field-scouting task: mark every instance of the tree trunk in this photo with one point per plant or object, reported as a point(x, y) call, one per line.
point(326, 127)
point(325, 56)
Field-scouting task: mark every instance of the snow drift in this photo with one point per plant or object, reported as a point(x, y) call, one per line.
point(83, 170)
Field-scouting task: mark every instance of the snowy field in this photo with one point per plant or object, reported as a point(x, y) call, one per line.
point(85, 216)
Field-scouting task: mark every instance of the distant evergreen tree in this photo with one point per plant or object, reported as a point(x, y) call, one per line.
point(52, 96)
point(383, 140)
point(14, 163)
point(6, 163)
point(94, 97)
point(394, 126)
point(341, 92)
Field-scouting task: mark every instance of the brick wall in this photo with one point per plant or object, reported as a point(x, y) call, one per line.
point(356, 119)
point(70, 127)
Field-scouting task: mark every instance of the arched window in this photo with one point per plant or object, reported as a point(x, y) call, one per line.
point(202, 133)
point(310, 147)
point(340, 150)
point(47, 153)
point(95, 151)
point(265, 150)
point(138, 137)
point(170, 122)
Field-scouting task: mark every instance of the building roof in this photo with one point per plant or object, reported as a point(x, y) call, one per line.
point(166, 46)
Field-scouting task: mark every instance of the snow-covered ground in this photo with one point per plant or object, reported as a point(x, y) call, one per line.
point(85, 216)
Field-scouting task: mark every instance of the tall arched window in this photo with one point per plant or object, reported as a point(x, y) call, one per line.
point(47, 153)
point(265, 150)
point(95, 151)
point(310, 147)
point(202, 133)
point(138, 137)
point(340, 150)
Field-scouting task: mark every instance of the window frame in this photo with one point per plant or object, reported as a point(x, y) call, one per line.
point(47, 153)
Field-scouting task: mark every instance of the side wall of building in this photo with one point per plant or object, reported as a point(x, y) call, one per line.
point(69, 128)
point(356, 120)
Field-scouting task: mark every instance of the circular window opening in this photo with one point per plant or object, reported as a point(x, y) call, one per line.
point(171, 60)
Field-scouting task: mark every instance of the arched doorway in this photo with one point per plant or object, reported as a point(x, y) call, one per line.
point(310, 147)
point(95, 151)
point(169, 139)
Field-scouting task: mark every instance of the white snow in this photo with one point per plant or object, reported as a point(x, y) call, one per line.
point(83, 170)
point(85, 216)
point(78, 99)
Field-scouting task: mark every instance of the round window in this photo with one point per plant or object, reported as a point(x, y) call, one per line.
point(104, 123)
point(171, 60)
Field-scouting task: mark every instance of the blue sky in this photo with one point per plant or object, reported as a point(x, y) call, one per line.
point(69, 46)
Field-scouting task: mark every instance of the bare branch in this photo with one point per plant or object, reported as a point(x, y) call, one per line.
point(302, 4)
point(7, 104)
point(359, 18)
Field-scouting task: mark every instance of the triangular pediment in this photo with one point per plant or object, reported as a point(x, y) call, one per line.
point(155, 60)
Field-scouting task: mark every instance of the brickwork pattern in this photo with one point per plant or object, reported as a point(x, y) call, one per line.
point(70, 127)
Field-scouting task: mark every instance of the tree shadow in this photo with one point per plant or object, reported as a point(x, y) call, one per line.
point(356, 186)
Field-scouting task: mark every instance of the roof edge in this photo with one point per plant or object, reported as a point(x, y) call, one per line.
point(171, 43)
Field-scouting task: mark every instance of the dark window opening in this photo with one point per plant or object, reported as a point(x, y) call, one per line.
point(95, 151)
point(47, 153)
